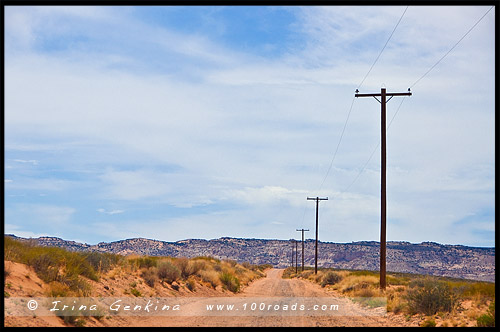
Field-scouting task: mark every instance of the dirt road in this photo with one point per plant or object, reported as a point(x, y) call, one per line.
point(272, 286)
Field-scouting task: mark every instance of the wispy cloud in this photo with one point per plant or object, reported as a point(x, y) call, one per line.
point(111, 212)
point(189, 125)
point(33, 162)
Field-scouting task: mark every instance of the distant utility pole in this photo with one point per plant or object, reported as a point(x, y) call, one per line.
point(292, 252)
point(317, 199)
point(383, 96)
point(296, 258)
point(302, 230)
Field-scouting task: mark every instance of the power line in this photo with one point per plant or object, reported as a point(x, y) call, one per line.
point(373, 152)
point(451, 49)
point(337, 149)
point(352, 103)
point(417, 81)
point(383, 48)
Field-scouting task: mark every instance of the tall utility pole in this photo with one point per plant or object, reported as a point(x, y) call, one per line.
point(383, 203)
point(317, 199)
point(302, 230)
point(292, 252)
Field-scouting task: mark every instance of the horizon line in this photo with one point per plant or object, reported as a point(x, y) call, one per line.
point(253, 238)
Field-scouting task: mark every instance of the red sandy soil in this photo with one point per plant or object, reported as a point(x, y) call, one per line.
point(22, 281)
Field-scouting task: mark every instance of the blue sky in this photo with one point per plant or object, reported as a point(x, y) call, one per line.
point(201, 122)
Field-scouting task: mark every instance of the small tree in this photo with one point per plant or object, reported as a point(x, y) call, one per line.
point(168, 272)
point(429, 297)
point(330, 278)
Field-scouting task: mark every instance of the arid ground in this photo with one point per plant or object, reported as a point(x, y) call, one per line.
point(273, 285)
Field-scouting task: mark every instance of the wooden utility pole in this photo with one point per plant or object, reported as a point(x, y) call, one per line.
point(296, 258)
point(292, 252)
point(302, 230)
point(317, 199)
point(383, 203)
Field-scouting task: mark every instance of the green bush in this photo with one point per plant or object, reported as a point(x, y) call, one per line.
point(168, 272)
point(429, 296)
point(488, 319)
point(471, 289)
point(207, 258)
point(428, 323)
point(45, 266)
point(364, 273)
point(150, 276)
point(230, 282)
point(101, 262)
point(144, 262)
point(188, 267)
point(330, 278)
point(53, 264)
point(231, 262)
point(191, 284)
point(135, 292)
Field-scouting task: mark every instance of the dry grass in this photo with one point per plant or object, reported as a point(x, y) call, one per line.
point(72, 273)
point(439, 301)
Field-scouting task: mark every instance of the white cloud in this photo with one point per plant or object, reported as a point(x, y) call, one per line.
point(19, 231)
point(259, 132)
point(111, 212)
point(267, 195)
point(33, 162)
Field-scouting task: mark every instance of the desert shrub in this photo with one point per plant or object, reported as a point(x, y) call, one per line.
point(57, 289)
point(57, 264)
point(364, 273)
point(247, 265)
point(71, 315)
point(429, 296)
point(397, 280)
point(189, 267)
point(230, 282)
point(428, 323)
point(45, 266)
point(135, 292)
point(262, 267)
point(207, 258)
point(13, 249)
point(150, 276)
point(77, 284)
point(6, 273)
point(364, 292)
point(306, 274)
point(231, 262)
point(471, 289)
point(102, 262)
point(210, 276)
point(191, 284)
point(144, 262)
point(196, 266)
point(182, 264)
point(330, 278)
point(168, 272)
point(488, 319)
point(288, 273)
point(76, 265)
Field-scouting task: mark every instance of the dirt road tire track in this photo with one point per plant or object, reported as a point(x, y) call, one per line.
point(273, 285)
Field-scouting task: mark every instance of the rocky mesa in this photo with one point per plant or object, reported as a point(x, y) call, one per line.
point(430, 258)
